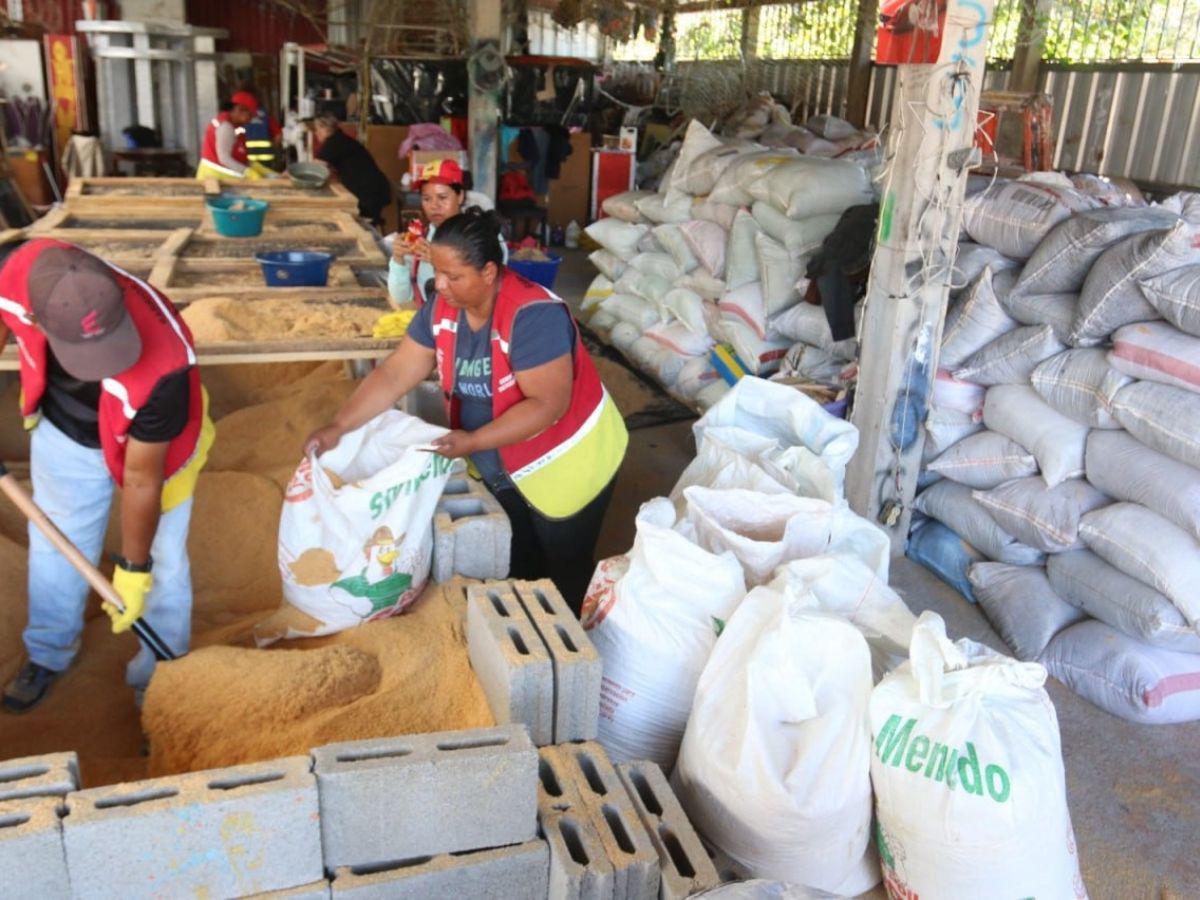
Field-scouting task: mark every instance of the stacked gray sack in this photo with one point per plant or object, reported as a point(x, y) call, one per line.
point(1062, 485)
point(718, 254)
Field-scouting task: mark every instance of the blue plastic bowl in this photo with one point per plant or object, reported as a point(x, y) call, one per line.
point(245, 221)
point(295, 268)
point(542, 273)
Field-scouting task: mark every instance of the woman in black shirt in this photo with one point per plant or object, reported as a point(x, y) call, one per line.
point(355, 167)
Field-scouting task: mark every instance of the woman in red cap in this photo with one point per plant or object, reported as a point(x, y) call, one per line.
point(223, 154)
point(443, 196)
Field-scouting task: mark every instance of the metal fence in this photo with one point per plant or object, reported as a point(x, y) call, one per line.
point(820, 29)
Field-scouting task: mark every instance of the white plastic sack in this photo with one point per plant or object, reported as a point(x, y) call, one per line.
point(1021, 605)
point(1176, 297)
point(1056, 310)
point(701, 175)
point(1014, 216)
point(972, 259)
point(1111, 295)
point(1127, 469)
point(623, 206)
point(712, 394)
point(1145, 546)
point(697, 141)
point(636, 311)
point(1062, 260)
point(801, 237)
point(695, 375)
point(700, 282)
point(760, 356)
point(984, 461)
point(1107, 191)
point(946, 427)
point(719, 213)
point(671, 239)
point(1164, 418)
point(741, 265)
point(600, 289)
point(617, 237)
point(810, 186)
point(729, 457)
point(814, 446)
point(1156, 351)
point(623, 334)
point(1106, 593)
point(688, 308)
point(654, 619)
point(602, 322)
point(975, 322)
point(660, 264)
point(1040, 517)
point(678, 338)
point(660, 209)
point(744, 304)
point(844, 585)
point(962, 396)
point(792, 802)
point(764, 530)
point(1056, 442)
point(646, 285)
point(802, 322)
point(830, 127)
point(358, 548)
point(1129, 679)
point(779, 271)
point(1081, 385)
point(952, 505)
point(707, 242)
point(970, 793)
point(733, 187)
point(1012, 357)
point(610, 266)
point(649, 243)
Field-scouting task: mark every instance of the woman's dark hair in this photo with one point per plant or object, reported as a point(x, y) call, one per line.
point(475, 234)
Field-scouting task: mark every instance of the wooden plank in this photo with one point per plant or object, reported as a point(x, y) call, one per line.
point(276, 352)
point(175, 243)
point(858, 88)
point(50, 221)
point(920, 218)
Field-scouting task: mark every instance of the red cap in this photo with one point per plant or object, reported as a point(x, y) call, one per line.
point(79, 305)
point(444, 171)
point(246, 99)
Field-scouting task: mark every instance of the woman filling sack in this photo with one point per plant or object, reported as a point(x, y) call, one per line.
point(525, 402)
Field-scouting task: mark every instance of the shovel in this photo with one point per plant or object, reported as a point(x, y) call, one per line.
point(82, 564)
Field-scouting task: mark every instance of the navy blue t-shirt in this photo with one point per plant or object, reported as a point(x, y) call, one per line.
point(541, 333)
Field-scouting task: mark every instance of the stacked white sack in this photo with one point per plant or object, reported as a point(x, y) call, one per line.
point(718, 254)
point(761, 509)
point(1063, 451)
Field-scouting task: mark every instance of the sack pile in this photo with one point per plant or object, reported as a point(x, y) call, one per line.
point(718, 255)
point(1063, 440)
point(753, 595)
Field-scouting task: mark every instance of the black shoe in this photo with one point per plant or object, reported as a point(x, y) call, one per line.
point(29, 687)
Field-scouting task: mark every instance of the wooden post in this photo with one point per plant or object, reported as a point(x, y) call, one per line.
point(858, 85)
point(1031, 42)
point(483, 107)
point(750, 33)
point(929, 150)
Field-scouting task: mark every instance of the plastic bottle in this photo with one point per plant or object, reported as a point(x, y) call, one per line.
point(572, 235)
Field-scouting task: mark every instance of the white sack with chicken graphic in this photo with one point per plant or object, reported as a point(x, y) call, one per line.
point(356, 531)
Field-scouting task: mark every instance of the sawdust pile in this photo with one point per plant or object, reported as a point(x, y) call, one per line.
point(216, 320)
point(224, 705)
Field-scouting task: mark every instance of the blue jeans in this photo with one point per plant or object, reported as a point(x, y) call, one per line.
point(72, 485)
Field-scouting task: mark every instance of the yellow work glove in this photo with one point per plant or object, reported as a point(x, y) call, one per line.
point(393, 325)
point(133, 587)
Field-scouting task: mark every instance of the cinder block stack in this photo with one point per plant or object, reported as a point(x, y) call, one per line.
point(463, 814)
point(472, 536)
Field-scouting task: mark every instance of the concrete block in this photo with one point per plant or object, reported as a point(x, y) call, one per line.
point(517, 872)
point(579, 866)
point(318, 890)
point(685, 864)
point(577, 665)
point(420, 795)
point(586, 782)
point(32, 864)
point(472, 536)
point(512, 663)
point(229, 832)
point(49, 775)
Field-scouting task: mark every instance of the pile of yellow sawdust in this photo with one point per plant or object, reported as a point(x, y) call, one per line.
point(216, 320)
point(406, 675)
